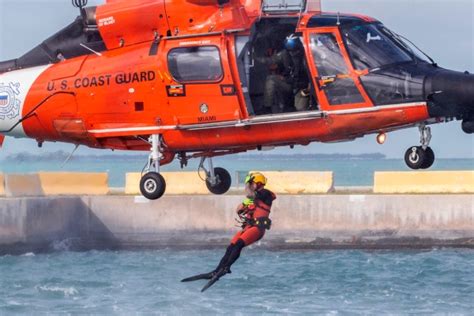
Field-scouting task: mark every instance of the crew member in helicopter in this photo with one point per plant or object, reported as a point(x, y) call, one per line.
point(290, 78)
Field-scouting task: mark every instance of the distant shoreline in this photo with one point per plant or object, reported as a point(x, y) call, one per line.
point(62, 155)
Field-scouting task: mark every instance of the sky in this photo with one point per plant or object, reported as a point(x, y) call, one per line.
point(443, 29)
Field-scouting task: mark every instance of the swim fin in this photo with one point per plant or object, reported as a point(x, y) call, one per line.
point(215, 278)
point(204, 276)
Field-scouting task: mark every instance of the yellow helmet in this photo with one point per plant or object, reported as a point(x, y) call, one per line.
point(256, 177)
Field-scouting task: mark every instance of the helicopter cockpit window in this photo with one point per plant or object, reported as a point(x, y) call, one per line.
point(195, 64)
point(371, 47)
point(333, 71)
point(394, 74)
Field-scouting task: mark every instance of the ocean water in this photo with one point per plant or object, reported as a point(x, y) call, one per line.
point(439, 282)
point(347, 172)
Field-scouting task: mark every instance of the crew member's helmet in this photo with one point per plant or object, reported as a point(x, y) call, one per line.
point(292, 42)
point(256, 177)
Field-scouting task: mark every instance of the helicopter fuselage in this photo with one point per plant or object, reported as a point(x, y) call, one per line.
point(127, 75)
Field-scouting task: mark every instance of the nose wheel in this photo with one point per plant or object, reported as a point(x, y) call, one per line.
point(418, 158)
point(218, 180)
point(421, 157)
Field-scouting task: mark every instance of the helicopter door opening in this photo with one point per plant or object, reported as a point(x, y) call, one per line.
point(242, 47)
point(339, 85)
point(276, 77)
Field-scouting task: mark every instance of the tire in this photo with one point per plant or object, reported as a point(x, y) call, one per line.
point(223, 183)
point(152, 185)
point(415, 157)
point(467, 126)
point(429, 159)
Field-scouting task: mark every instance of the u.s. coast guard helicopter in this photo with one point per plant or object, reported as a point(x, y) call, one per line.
point(192, 79)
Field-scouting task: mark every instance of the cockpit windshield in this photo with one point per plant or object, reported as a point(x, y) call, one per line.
point(372, 46)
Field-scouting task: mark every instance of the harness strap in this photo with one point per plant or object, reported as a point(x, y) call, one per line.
point(261, 222)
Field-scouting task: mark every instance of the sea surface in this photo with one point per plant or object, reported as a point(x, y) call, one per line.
point(439, 281)
point(347, 172)
point(435, 282)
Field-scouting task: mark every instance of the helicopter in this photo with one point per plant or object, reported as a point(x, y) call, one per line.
point(188, 79)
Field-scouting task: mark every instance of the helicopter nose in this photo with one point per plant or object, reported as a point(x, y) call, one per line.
point(450, 94)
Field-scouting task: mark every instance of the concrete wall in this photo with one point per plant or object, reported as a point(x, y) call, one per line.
point(2, 185)
point(176, 183)
point(56, 183)
point(300, 182)
point(188, 183)
point(424, 182)
point(74, 183)
point(34, 223)
point(310, 221)
point(295, 182)
point(23, 185)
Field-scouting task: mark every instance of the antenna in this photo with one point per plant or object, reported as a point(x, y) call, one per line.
point(301, 12)
point(90, 49)
point(70, 155)
point(338, 19)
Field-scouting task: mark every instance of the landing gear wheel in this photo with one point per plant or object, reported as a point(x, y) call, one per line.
point(415, 157)
point(468, 126)
point(222, 183)
point(152, 185)
point(429, 158)
point(421, 157)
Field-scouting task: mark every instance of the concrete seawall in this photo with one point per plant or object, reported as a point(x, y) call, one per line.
point(299, 222)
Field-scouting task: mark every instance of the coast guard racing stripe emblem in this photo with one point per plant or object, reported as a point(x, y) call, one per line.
point(9, 104)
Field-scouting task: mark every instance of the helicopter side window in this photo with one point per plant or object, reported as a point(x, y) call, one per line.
point(195, 64)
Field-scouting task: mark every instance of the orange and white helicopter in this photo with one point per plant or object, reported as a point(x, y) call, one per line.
point(192, 79)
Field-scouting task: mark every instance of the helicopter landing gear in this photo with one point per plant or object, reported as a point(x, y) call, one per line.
point(152, 183)
point(218, 180)
point(421, 157)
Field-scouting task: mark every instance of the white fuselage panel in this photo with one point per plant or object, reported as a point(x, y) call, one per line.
point(14, 88)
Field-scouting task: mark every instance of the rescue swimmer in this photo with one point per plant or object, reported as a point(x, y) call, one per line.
point(254, 218)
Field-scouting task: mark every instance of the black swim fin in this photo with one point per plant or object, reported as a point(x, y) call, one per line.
point(204, 276)
point(215, 278)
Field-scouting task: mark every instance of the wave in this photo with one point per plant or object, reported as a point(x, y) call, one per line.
point(66, 291)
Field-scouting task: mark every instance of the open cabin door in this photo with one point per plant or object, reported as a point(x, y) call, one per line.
point(338, 83)
point(290, 6)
